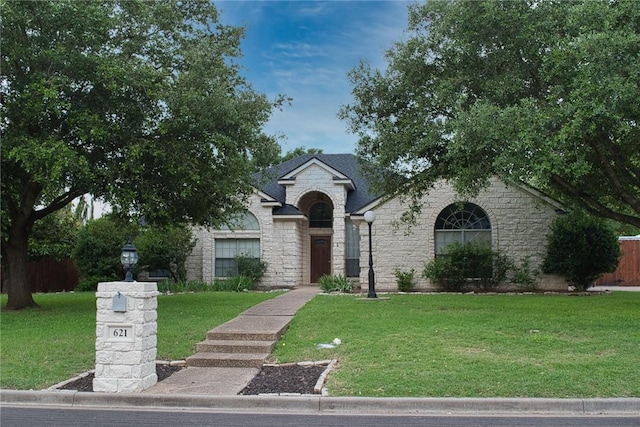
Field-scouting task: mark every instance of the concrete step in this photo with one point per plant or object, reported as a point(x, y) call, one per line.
point(251, 328)
point(242, 336)
point(227, 360)
point(235, 346)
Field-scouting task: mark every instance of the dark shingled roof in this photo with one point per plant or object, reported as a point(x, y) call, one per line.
point(347, 164)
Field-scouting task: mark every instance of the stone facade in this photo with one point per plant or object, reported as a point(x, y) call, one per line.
point(520, 221)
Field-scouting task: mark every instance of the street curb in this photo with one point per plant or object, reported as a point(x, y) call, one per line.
point(330, 405)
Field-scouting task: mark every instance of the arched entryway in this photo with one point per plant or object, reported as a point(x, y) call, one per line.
point(319, 210)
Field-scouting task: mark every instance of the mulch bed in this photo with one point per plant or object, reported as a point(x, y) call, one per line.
point(86, 383)
point(271, 379)
point(284, 379)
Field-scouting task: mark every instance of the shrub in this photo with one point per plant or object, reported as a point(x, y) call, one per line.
point(523, 276)
point(184, 286)
point(165, 248)
point(502, 264)
point(462, 264)
point(581, 248)
point(404, 279)
point(252, 268)
point(326, 283)
point(335, 283)
point(235, 284)
point(230, 284)
point(97, 252)
point(445, 274)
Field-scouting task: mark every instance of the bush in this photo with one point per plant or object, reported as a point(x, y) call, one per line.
point(252, 268)
point(581, 248)
point(523, 276)
point(184, 286)
point(404, 279)
point(236, 284)
point(230, 284)
point(100, 242)
point(463, 264)
point(335, 283)
point(97, 252)
point(445, 274)
point(165, 248)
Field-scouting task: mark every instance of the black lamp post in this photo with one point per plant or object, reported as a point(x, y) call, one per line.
point(370, 216)
point(129, 258)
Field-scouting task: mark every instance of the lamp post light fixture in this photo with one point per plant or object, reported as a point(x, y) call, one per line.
point(370, 216)
point(129, 258)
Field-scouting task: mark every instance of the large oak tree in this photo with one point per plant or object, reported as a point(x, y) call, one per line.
point(543, 92)
point(140, 103)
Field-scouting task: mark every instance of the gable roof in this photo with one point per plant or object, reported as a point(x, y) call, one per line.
point(344, 165)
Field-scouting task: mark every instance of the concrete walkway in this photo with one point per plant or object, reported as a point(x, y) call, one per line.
point(267, 318)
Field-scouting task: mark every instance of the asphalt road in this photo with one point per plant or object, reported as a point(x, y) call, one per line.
point(11, 416)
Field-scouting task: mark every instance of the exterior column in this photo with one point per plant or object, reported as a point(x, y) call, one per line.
point(126, 337)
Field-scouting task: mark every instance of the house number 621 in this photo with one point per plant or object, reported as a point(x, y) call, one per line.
point(120, 333)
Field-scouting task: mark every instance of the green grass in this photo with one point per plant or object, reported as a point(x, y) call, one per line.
point(409, 345)
point(41, 347)
point(473, 346)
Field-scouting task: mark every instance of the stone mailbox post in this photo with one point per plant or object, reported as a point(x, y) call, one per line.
point(126, 337)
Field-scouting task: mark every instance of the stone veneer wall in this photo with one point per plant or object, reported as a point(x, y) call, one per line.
point(520, 223)
point(317, 179)
point(200, 264)
point(126, 362)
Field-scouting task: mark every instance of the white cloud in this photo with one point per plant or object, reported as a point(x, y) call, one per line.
point(304, 50)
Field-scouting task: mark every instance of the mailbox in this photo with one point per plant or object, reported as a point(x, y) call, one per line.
point(119, 303)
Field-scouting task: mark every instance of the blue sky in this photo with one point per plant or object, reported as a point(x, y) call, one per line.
point(304, 50)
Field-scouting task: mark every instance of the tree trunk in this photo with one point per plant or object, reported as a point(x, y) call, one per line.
point(16, 257)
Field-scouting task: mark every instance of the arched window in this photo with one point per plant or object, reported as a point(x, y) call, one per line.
point(461, 223)
point(321, 215)
point(243, 221)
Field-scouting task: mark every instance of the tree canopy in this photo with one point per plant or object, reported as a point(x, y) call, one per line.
point(542, 92)
point(297, 152)
point(140, 103)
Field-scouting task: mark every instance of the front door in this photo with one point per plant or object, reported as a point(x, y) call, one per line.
point(320, 257)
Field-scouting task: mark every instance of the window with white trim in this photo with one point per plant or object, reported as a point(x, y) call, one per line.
point(241, 240)
point(461, 223)
point(227, 250)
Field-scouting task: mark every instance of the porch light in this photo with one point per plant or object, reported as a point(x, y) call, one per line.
point(129, 258)
point(370, 216)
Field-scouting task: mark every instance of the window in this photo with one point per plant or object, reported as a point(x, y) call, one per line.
point(243, 242)
point(242, 221)
point(352, 249)
point(321, 215)
point(228, 249)
point(461, 223)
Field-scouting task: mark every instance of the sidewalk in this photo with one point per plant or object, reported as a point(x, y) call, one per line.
point(267, 317)
point(215, 389)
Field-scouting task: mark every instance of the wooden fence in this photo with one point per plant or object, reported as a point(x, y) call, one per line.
point(49, 275)
point(628, 272)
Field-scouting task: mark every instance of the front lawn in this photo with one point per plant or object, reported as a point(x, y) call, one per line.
point(44, 346)
point(408, 345)
point(473, 345)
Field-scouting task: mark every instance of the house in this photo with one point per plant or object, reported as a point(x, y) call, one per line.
point(306, 219)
